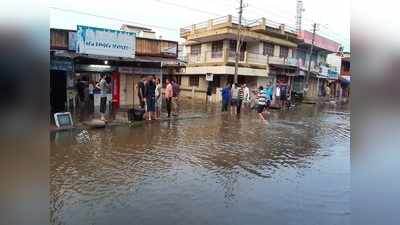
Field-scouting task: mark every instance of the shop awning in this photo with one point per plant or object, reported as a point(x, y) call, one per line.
point(138, 61)
point(282, 66)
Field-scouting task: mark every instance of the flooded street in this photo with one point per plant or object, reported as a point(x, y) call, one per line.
point(212, 170)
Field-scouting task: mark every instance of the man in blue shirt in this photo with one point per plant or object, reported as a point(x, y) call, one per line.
point(226, 96)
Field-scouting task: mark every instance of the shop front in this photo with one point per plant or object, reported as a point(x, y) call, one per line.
point(130, 76)
point(90, 74)
point(60, 69)
point(99, 53)
point(283, 76)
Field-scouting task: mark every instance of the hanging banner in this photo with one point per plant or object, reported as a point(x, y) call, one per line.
point(115, 89)
point(72, 41)
point(99, 41)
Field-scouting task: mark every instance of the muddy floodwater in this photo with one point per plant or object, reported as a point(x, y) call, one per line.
point(216, 169)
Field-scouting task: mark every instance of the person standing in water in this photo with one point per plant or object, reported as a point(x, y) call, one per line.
point(246, 97)
point(168, 96)
point(150, 88)
point(234, 97)
point(158, 94)
point(226, 95)
point(240, 99)
point(261, 102)
point(175, 97)
point(103, 86)
point(141, 92)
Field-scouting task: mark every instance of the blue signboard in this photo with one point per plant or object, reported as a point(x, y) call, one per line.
point(99, 41)
point(332, 74)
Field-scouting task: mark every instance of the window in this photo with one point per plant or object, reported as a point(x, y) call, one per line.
point(178, 79)
point(194, 81)
point(284, 52)
point(232, 49)
point(195, 49)
point(294, 53)
point(216, 49)
point(268, 49)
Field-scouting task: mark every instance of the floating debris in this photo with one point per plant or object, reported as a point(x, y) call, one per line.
point(83, 137)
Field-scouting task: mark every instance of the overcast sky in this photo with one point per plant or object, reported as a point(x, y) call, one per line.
point(167, 16)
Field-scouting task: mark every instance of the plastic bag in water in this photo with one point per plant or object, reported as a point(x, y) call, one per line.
point(83, 137)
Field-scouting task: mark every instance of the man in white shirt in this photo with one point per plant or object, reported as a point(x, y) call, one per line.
point(103, 86)
point(278, 92)
point(246, 97)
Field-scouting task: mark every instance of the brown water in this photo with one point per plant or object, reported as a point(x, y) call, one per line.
point(215, 170)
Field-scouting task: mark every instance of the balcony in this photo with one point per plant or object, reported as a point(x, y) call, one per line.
point(245, 59)
point(208, 57)
point(288, 61)
point(226, 28)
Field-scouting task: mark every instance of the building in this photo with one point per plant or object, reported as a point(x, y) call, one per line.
point(345, 75)
point(334, 62)
point(321, 72)
point(146, 55)
point(267, 54)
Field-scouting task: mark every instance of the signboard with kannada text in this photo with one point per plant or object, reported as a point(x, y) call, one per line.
point(99, 41)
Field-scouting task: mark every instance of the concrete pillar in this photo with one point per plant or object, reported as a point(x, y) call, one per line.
point(282, 28)
point(193, 28)
point(210, 24)
point(263, 22)
point(229, 19)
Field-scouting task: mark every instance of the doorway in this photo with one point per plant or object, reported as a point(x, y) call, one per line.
point(58, 90)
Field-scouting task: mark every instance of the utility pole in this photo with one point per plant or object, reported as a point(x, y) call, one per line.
point(311, 50)
point(235, 78)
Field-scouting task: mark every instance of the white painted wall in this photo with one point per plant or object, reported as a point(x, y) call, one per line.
point(335, 61)
point(227, 70)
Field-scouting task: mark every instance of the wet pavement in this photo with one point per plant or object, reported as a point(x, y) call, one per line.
point(217, 169)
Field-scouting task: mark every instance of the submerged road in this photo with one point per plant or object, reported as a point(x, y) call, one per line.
point(215, 170)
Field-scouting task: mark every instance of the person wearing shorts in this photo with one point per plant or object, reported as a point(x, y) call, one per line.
point(261, 102)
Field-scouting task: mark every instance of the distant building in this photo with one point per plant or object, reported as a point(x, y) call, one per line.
point(321, 72)
point(345, 75)
point(140, 31)
point(267, 54)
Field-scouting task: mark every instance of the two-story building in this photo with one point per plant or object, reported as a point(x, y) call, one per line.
point(321, 72)
point(345, 75)
point(267, 54)
point(149, 56)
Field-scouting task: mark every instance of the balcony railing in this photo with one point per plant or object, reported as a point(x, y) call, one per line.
point(245, 57)
point(230, 20)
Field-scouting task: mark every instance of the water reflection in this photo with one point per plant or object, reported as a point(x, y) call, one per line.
point(216, 170)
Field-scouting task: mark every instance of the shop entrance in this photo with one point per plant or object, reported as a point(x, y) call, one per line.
point(58, 90)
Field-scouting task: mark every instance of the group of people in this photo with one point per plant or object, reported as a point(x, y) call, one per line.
point(85, 95)
point(260, 100)
point(150, 96)
point(235, 95)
